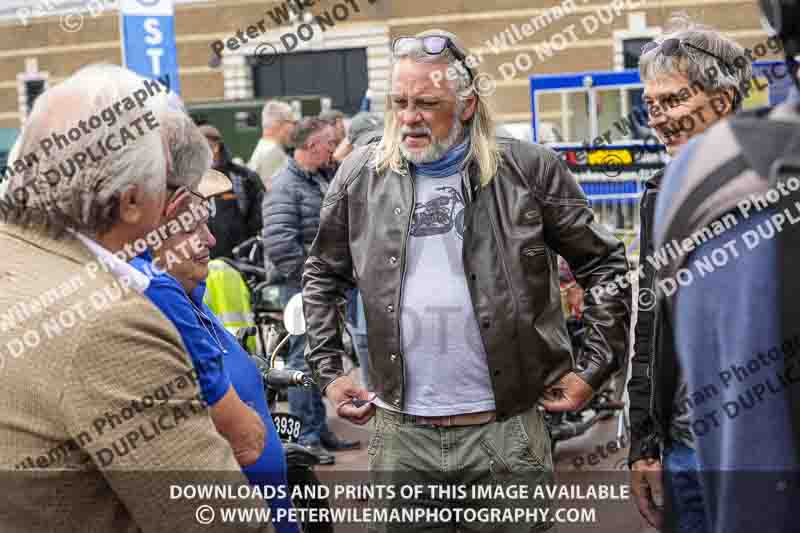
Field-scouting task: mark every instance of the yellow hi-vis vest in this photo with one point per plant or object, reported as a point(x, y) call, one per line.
point(228, 296)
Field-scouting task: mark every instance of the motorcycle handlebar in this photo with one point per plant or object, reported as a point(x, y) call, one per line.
point(279, 378)
point(246, 268)
point(241, 252)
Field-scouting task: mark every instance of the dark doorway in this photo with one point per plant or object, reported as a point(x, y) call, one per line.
point(340, 75)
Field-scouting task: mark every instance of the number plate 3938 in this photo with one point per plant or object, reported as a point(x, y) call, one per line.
point(288, 426)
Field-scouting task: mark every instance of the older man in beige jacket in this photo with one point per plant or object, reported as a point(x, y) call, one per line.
point(101, 424)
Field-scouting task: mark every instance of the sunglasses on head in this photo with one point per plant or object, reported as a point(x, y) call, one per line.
point(671, 47)
point(433, 45)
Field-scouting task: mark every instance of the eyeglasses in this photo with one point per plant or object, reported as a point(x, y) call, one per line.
point(671, 47)
point(433, 45)
point(173, 193)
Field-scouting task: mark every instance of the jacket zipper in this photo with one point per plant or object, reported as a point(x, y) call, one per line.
point(404, 252)
point(652, 341)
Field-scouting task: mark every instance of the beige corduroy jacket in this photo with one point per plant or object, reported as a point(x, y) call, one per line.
point(99, 414)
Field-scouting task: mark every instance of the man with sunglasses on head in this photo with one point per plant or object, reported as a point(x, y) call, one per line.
point(452, 235)
point(291, 219)
point(686, 57)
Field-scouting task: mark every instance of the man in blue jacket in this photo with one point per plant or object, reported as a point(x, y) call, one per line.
point(291, 220)
point(728, 207)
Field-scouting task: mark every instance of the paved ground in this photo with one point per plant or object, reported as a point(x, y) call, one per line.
point(607, 465)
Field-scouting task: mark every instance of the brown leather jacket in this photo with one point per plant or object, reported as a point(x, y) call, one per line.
point(514, 226)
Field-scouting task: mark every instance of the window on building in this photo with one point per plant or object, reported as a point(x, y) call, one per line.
point(632, 50)
point(341, 75)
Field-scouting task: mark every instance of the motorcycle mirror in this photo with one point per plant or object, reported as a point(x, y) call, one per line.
point(293, 318)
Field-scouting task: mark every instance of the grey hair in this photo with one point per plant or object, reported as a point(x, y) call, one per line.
point(86, 200)
point(189, 153)
point(275, 111)
point(483, 149)
point(696, 66)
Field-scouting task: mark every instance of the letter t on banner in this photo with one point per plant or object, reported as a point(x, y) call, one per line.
point(148, 40)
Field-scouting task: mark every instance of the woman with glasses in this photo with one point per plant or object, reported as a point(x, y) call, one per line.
point(673, 67)
point(230, 381)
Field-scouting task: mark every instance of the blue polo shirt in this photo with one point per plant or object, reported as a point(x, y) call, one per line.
point(217, 371)
point(168, 295)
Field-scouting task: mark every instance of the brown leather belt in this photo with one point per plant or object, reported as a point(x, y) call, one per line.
point(469, 419)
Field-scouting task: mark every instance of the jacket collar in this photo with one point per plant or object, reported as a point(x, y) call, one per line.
point(295, 169)
point(67, 245)
point(121, 270)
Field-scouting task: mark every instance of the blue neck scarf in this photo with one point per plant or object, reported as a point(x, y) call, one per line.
point(446, 166)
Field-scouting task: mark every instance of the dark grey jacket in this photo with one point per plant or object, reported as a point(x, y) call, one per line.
point(291, 219)
point(653, 382)
point(514, 228)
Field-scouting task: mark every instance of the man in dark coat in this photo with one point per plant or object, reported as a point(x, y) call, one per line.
point(237, 214)
point(291, 221)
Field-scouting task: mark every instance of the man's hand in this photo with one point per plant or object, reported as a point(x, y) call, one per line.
point(646, 485)
point(570, 393)
point(341, 391)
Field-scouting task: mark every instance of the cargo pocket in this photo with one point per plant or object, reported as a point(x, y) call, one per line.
point(498, 467)
point(375, 447)
point(509, 453)
point(534, 432)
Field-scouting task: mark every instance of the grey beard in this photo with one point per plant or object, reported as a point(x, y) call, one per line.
point(437, 148)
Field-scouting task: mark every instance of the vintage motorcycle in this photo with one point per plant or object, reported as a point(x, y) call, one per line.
point(273, 325)
point(300, 462)
point(439, 215)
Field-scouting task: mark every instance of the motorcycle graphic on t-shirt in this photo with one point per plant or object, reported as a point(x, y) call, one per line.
point(439, 215)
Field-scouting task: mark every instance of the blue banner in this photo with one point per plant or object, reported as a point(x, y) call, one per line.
point(148, 39)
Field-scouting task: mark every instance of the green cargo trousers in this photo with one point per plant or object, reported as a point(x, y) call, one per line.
point(461, 478)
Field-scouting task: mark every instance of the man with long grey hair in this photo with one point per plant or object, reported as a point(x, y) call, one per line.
point(100, 413)
point(693, 77)
point(451, 235)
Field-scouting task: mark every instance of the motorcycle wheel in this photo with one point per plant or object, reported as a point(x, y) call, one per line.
point(301, 476)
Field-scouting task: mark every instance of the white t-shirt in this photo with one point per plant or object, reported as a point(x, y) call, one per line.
point(446, 372)
point(267, 160)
